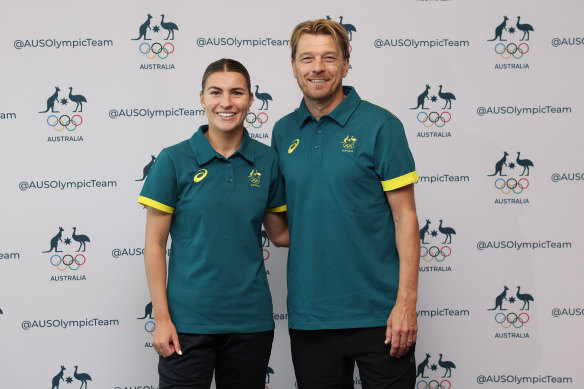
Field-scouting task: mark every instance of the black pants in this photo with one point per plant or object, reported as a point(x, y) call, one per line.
point(325, 359)
point(240, 361)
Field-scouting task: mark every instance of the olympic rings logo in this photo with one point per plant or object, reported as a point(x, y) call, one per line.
point(511, 185)
point(444, 384)
point(65, 122)
point(511, 50)
point(349, 143)
point(156, 50)
point(149, 326)
point(67, 261)
point(435, 253)
point(434, 118)
point(256, 121)
point(266, 255)
point(512, 319)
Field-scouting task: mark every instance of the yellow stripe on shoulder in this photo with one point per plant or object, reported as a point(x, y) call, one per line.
point(400, 181)
point(155, 204)
point(379, 106)
point(283, 208)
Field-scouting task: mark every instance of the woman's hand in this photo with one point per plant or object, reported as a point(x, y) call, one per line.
point(165, 340)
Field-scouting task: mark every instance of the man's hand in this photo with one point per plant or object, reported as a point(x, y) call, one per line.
point(402, 325)
point(402, 329)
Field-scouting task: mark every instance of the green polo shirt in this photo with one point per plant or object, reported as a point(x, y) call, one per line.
point(216, 277)
point(343, 264)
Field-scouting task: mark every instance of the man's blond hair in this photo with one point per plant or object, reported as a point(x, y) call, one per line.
point(321, 27)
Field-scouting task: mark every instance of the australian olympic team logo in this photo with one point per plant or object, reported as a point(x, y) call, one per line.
point(434, 117)
point(152, 50)
point(512, 319)
point(427, 382)
point(349, 143)
point(69, 122)
point(255, 176)
point(257, 120)
point(60, 377)
point(149, 325)
point(438, 252)
point(67, 261)
point(503, 32)
point(506, 184)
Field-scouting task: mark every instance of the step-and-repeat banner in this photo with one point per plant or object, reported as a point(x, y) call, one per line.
point(489, 93)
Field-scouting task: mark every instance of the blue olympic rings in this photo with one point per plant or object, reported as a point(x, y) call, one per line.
point(65, 122)
point(256, 121)
point(434, 252)
point(67, 261)
point(434, 118)
point(434, 384)
point(151, 51)
point(511, 50)
point(511, 185)
point(149, 326)
point(511, 319)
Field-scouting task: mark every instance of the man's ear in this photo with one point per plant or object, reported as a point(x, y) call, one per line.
point(345, 67)
point(294, 69)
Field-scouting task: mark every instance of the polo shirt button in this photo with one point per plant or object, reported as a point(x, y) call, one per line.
point(230, 179)
point(228, 165)
point(318, 131)
point(316, 147)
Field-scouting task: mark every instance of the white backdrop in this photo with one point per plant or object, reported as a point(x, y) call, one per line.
point(77, 166)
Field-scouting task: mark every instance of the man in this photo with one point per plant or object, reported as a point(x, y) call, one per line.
point(354, 251)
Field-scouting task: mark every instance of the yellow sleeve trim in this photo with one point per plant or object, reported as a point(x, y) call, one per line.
point(155, 204)
point(283, 208)
point(399, 182)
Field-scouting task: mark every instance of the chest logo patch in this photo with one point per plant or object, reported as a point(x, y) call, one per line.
point(349, 144)
point(293, 146)
point(255, 178)
point(202, 173)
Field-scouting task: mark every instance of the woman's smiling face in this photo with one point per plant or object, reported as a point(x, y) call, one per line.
point(226, 101)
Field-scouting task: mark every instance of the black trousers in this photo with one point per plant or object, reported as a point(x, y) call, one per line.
point(325, 359)
point(240, 361)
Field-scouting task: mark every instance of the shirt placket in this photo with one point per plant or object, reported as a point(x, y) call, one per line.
point(229, 177)
point(316, 140)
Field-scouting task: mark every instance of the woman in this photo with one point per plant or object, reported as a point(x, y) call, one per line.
point(211, 193)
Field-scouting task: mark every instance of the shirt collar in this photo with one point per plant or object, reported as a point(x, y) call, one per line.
point(340, 114)
point(204, 152)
